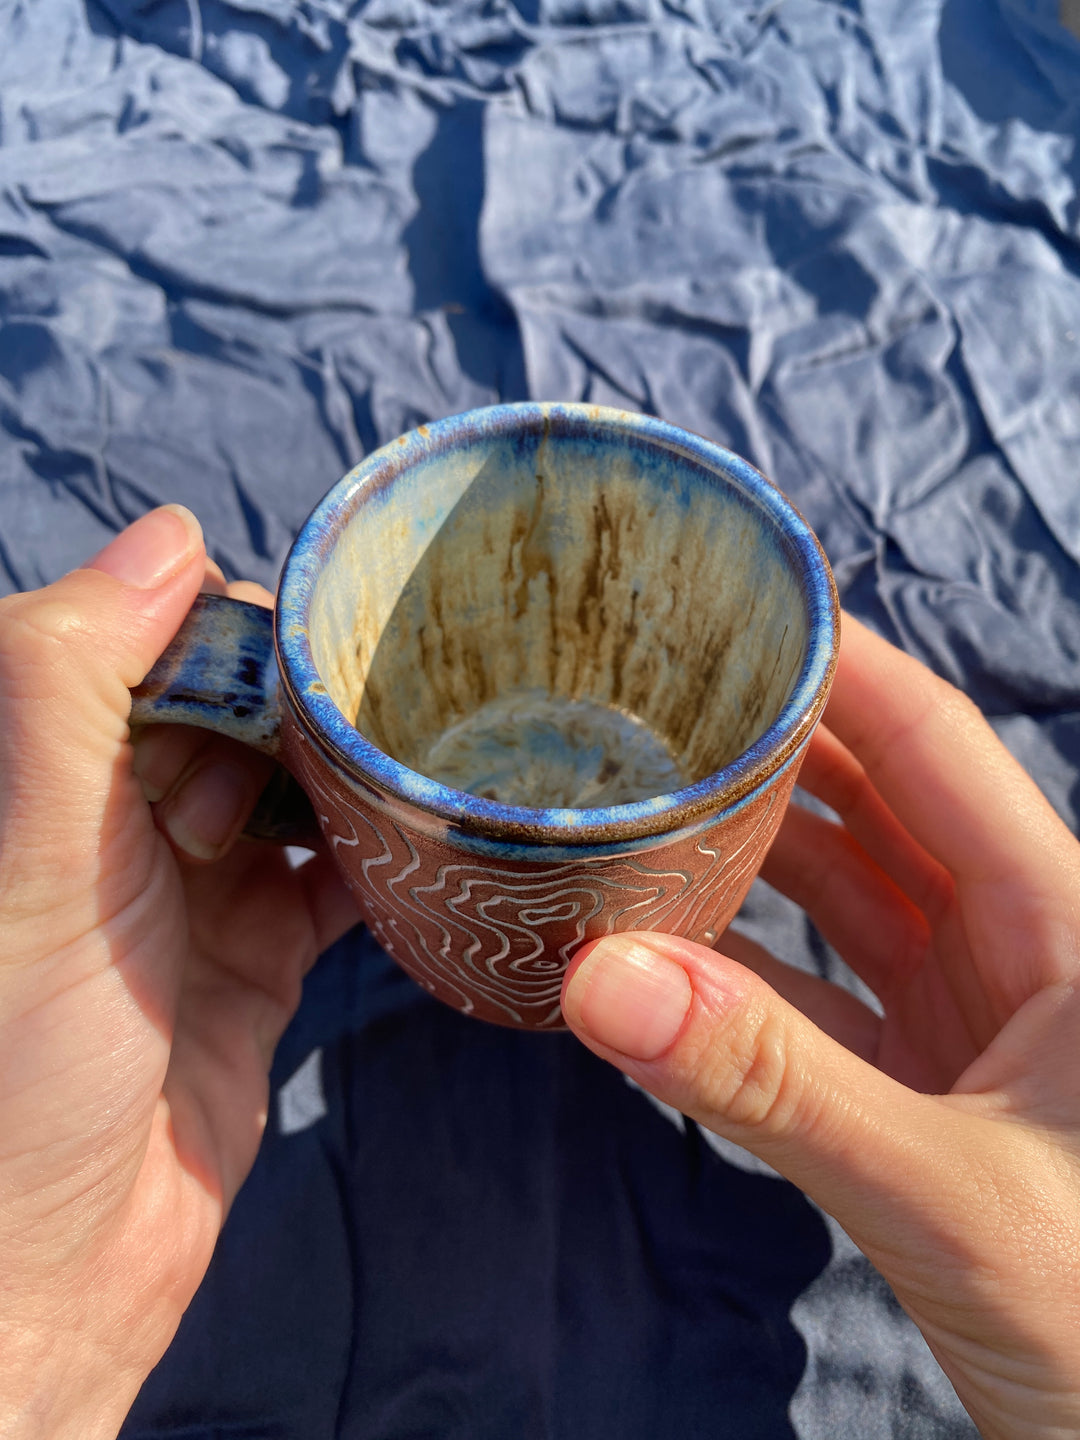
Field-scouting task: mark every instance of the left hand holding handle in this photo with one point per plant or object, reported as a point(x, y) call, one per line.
point(141, 993)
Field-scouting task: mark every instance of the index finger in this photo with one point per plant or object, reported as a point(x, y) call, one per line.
point(943, 772)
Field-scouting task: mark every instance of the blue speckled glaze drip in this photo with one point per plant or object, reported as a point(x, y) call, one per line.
point(691, 460)
point(219, 674)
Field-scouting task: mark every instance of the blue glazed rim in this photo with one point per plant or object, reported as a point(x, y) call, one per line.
point(332, 732)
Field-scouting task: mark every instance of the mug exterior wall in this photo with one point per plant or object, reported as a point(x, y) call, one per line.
point(492, 936)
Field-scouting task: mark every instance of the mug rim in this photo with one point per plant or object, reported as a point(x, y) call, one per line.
point(330, 729)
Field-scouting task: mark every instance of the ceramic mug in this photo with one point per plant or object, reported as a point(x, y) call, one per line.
point(544, 672)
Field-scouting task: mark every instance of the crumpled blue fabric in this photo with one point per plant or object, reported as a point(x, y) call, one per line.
point(243, 242)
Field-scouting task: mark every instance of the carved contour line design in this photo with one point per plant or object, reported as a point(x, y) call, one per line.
point(494, 939)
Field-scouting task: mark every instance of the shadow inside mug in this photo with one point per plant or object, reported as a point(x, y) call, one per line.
point(588, 624)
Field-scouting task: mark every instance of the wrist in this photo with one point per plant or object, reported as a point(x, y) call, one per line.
point(58, 1387)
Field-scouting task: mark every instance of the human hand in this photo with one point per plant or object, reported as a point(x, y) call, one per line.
point(142, 990)
point(945, 1135)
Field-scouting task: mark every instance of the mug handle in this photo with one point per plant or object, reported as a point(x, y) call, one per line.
point(219, 673)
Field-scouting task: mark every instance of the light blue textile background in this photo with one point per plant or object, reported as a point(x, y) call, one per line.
point(241, 244)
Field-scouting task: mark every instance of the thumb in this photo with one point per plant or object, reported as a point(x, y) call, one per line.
point(711, 1038)
point(69, 654)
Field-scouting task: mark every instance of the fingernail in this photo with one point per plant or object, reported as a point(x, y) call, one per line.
point(151, 550)
point(208, 809)
point(629, 998)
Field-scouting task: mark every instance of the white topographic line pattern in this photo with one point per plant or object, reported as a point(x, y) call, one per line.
point(495, 939)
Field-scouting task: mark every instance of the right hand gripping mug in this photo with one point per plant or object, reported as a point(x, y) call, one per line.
point(544, 672)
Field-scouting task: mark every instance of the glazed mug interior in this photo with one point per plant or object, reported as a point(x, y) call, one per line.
point(573, 617)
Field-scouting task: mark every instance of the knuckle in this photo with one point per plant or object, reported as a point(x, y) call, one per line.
point(38, 627)
point(755, 1079)
point(905, 951)
point(955, 710)
point(843, 782)
point(938, 894)
point(50, 665)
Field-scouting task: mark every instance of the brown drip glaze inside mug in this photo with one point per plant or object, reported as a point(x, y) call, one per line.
point(569, 625)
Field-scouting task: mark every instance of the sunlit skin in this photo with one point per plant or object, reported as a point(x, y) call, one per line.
point(141, 992)
point(148, 964)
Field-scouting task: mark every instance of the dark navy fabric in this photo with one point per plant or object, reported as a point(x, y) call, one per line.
point(242, 242)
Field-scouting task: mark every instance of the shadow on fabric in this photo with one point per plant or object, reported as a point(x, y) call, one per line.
point(487, 1234)
point(445, 260)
